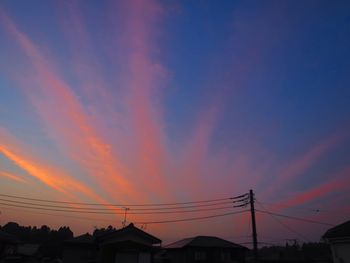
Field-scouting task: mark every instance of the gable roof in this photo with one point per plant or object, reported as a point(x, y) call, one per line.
point(82, 239)
point(87, 239)
point(342, 230)
point(203, 241)
point(130, 229)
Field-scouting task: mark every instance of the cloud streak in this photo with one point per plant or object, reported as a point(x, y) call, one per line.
point(13, 177)
point(50, 176)
point(144, 79)
point(339, 182)
point(66, 120)
point(295, 168)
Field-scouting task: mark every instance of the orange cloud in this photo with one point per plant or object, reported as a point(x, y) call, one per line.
point(13, 177)
point(67, 122)
point(48, 175)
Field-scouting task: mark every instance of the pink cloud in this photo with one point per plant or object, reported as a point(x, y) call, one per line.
point(143, 80)
point(196, 153)
point(295, 168)
point(339, 182)
point(65, 118)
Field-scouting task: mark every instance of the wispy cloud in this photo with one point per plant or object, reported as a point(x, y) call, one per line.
point(295, 168)
point(13, 177)
point(64, 117)
point(144, 78)
point(338, 182)
point(196, 152)
point(85, 64)
point(49, 175)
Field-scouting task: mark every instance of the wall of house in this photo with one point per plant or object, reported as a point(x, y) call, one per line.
point(341, 253)
point(78, 255)
point(205, 255)
point(176, 256)
point(113, 254)
point(136, 257)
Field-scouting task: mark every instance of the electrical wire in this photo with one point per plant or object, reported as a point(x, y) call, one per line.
point(62, 210)
point(283, 224)
point(144, 222)
point(121, 205)
point(295, 218)
point(191, 219)
point(59, 215)
point(117, 208)
point(239, 196)
point(309, 209)
point(73, 210)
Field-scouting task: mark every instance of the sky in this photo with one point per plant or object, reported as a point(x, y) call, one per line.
point(153, 102)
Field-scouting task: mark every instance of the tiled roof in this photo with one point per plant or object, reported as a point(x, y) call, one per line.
point(89, 239)
point(203, 241)
point(131, 229)
point(342, 230)
point(83, 239)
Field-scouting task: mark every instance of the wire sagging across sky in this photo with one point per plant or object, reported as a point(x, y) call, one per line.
point(295, 218)
point(123, 205)
point(170, 208)
point(74, 207)
point(116, 208)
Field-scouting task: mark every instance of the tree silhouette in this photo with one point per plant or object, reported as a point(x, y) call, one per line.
point(51, 240)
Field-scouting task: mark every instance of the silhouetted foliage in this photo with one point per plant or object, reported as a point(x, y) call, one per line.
point(316, 250)
point(308, 252)
point(102, 231)
point(51, 240)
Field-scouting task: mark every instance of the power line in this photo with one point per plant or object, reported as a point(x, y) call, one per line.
point(145, 222)
point(296, 218)
point(61, 210)
point(191, 219)
point(115, 209)
point(316, 210)
point(244, 196)
point(73, 210)
point(283, 224)
point(60, 215)
point(121, 205)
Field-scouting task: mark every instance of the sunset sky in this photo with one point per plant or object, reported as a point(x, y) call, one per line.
point(148, 102)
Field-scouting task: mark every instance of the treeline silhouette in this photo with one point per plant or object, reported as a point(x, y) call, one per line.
point(307, 252)
point(44, 234)
point(51, 240)
point(101, 231)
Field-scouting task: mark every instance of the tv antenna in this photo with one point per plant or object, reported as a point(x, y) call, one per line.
point(125, 213)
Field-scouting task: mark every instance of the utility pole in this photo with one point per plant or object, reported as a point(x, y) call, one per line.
point(255, 239)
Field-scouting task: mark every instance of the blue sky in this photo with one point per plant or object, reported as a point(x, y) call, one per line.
point(122, 101)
